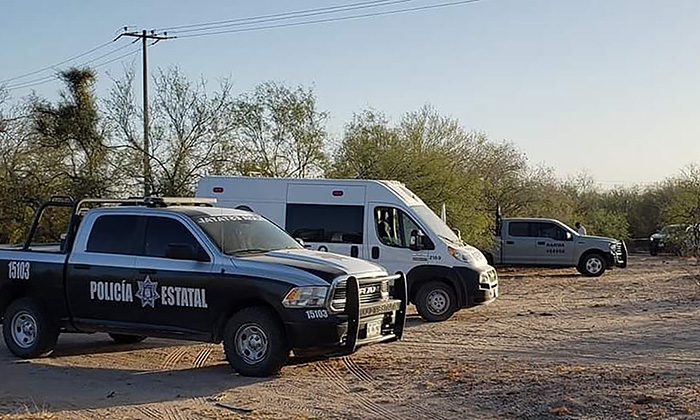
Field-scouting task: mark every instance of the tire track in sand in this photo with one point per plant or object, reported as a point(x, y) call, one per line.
point(364, 376)
point(366, 403)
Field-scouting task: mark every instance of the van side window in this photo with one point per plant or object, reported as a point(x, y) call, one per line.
point(326, 223)
point(162, 231)
point(394, 228)
point(117, 234)
point(519, 229)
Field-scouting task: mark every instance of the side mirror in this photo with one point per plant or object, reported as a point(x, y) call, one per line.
point(416, 240)
point(569, 236)
point(185, 252)
point(300, 241)
point(458, 232)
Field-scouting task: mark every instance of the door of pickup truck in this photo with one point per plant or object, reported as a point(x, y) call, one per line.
point(554, 246)
point(100, 272)
point(519, 244)
point(183, 288)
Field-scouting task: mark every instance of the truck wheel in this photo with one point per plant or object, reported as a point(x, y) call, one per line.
point(126, 338)
point(654, 252)
point(28, 330)
point(436, 301)
point(255, 343)
point(592, 265)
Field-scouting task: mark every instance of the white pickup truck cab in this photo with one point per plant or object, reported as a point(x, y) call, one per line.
point(379, 221)
point(549, 242)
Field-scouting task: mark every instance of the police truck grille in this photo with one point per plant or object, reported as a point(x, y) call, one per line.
point(371, 290)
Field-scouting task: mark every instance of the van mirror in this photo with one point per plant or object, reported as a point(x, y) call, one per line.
point(416, 241)
point(458, 232)
point(569, 236)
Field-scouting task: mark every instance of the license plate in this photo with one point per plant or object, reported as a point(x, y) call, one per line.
point(374, 328)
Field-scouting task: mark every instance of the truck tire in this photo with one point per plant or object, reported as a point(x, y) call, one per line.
point(255, 342)
point(436, 301)
point(592, 265)
point(28, 330)
point(126, 338)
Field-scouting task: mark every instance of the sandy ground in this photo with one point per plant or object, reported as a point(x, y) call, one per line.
point(554, 345)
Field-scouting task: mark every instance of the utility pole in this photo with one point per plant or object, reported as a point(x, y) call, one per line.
point(145, 37)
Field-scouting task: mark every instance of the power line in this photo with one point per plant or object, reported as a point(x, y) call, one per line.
point(335, 19)
point(54, 77)
point(52, 66)
point(283, 16)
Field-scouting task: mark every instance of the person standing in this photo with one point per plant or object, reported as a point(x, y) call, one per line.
point(580, 229)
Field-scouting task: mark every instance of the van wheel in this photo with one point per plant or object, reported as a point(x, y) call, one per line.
point(592, 265)
point(126, 338)
point(255, 343)
point(436, 301)
point(28, 330)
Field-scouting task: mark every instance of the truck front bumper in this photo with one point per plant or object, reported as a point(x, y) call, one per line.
point(618, 256)
point(481, 286)
point(358, 325)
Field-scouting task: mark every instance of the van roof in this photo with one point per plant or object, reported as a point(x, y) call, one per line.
point(396, 188)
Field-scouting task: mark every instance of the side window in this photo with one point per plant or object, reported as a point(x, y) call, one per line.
point(551, 231)
point(322, 223)
point(116, 234)
point(519, 229)
point(394, 227)
point(162, 231)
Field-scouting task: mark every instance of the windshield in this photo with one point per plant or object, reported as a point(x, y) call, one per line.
point(435, 224)
point(244, 233)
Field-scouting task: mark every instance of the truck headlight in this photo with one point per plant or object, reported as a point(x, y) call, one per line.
point(306, 297)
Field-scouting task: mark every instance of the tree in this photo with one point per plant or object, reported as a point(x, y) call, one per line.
point(192, 131)
point(70, 133)
point(427, 152)
point(281, 132)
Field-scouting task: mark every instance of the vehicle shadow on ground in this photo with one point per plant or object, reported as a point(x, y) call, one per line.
point(108, 346)
point(57, 388)
point(68, 381)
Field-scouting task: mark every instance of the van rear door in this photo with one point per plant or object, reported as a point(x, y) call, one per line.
point(327, 217)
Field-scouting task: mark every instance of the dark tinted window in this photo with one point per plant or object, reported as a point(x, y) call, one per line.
point(320, 223)
point(161, 231)
point(550, 230)
point(519, 229)
point(114, 235)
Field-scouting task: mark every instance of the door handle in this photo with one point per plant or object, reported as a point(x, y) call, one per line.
point(375, 252)
point(540, 243)
point(82, 266)
point(510, 242)
point(147, 271)
point(354, 251)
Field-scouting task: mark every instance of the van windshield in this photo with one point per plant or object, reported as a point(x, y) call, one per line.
point(243, 233)
point(435, 224)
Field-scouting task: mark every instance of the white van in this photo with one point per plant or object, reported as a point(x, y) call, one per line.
point(379, 221)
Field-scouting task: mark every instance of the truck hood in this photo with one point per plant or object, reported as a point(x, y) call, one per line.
point(325, 265)
point(598, 239)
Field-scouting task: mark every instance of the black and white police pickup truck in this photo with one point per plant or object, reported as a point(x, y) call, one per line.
point(180, 268)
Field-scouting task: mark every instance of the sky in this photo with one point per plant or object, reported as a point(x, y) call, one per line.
point(610, 88)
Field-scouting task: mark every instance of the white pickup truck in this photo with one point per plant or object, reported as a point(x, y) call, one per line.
point(551, 243)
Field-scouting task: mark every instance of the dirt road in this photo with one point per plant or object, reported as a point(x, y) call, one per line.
point(554, 345)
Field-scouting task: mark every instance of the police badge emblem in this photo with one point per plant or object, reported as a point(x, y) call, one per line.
point(148, 292)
